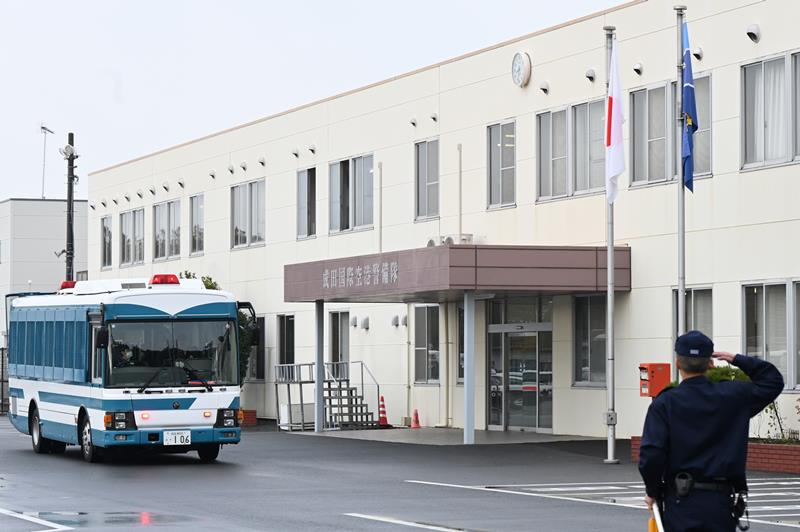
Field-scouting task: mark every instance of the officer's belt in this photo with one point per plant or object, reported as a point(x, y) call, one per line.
point(718, 486)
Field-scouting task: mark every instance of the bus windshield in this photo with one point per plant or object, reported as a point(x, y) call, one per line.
point(178, 353)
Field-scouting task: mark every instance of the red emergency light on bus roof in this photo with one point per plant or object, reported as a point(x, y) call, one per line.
point(67, 284)
point(164, 278)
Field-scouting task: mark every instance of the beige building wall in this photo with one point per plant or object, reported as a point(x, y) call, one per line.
point(740, 223)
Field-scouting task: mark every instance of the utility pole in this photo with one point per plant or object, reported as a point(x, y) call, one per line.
point(69, 154)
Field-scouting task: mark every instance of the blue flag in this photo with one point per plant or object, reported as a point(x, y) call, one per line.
point(689, 112)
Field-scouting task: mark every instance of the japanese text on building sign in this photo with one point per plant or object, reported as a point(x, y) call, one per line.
point(371, 274)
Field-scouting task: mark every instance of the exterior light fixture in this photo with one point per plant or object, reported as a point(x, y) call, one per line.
point(296, 153)
point(312, 149)
point(365, 323)
point(262, 161)
point(698, 53)
point(243, 165)
point(230, 169)
point(165, 186)
point(544, 87)
point(435, 117)
point(140, 193)
point(91, 206)
point(590, 74)
point(127, 197)
point(212, 174)
point(638, 68)
point(754, 32)
point(152, 191)
point(404, 321)
point(395, 321)
point(354, 322)
point(115, 201)
point(413, 122)
point(103, 202)
point(181, 183)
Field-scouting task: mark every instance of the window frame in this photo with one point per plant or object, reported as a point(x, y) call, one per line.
point(428, 351)
point(690, 292)
point(106, 255)
point(351, 195)
point(248, 200)
point(418, 215)
point(568, 152)
point(502, 204)
point(169, 205)
point(791, 106)
point(193, 239)
point(134, 259)
point(572, 174)
point(669, 142)
point(587, 383)
point(310, 202)
point(791, 381)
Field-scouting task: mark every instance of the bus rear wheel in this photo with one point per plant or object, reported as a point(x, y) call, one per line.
point(89, 452)
point(40, 444)
point(208, 453)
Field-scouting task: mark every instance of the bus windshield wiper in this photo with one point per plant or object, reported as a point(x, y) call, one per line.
point(196, 375)
point(152, 378)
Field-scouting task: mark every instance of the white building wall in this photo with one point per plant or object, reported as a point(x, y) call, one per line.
point(31, 232)
point(740, 224)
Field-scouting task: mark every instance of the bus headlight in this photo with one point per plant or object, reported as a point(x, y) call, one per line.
point(119, 421)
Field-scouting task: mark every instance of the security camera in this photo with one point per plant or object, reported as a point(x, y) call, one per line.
point(698, 53)
point(590, 75)
point(638, 68)
point(754, 32)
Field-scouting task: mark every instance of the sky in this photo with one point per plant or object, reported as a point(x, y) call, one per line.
point(132, 77)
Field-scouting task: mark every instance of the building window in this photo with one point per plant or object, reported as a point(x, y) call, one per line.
point(552, 154)
point(590, 340)
point(766, 112)
point(427, 178)
point(340, 344)
point(307, 203)
point(698, 311)
point(196, 222)
point(167, 230)
point(105, 238)
point(131, 225)
point(765, 324)
point(702, 137)
point(589, 151)
point(351, 193)
point(426, 344)
point(247, 214)
point(285, 339)
point(502, 164)
point(82, 275)
point(649, 119)
point(797, 333)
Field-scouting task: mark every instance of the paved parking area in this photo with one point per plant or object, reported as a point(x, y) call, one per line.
point(276, 481)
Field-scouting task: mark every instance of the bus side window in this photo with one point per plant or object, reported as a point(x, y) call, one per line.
point(97, 358)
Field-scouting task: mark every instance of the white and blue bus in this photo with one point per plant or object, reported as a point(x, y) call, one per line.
point(125, 364)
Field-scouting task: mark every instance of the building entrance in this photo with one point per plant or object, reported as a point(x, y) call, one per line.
point(520, 368)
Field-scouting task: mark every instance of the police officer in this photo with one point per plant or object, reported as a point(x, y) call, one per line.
point(694, 442)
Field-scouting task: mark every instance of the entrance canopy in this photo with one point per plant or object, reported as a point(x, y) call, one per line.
point(444, 273)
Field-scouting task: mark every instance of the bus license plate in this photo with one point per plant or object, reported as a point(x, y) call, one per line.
point(177, 437)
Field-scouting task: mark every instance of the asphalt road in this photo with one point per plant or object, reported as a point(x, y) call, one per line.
point(276, 481)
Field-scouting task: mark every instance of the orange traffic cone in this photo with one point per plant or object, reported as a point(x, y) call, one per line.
point(415, 420)
point(382, 421)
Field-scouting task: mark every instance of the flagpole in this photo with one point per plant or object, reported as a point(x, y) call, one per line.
point(611, 415)
point(680, 10)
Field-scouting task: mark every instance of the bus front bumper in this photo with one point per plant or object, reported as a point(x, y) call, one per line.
point(155, 437)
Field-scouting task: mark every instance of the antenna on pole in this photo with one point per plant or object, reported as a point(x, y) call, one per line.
point(45, 130)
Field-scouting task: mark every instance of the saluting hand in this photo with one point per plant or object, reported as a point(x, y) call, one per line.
point(724, 355)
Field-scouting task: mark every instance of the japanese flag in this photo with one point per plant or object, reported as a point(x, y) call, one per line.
point(615, 155)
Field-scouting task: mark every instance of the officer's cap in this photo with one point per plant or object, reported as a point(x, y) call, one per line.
point(694, 344)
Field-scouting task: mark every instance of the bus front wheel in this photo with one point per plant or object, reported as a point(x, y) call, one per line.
point(208, 453)
point(89, 452)
point(41, 445)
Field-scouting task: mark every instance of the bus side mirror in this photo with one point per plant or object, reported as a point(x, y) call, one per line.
point(102, 337)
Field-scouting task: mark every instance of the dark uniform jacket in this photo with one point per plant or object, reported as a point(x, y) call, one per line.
point(701, 428)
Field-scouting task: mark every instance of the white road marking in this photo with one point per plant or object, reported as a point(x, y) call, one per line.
point(531, 491)
point(394, 521)
point(52, 526)
point(528, 493)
